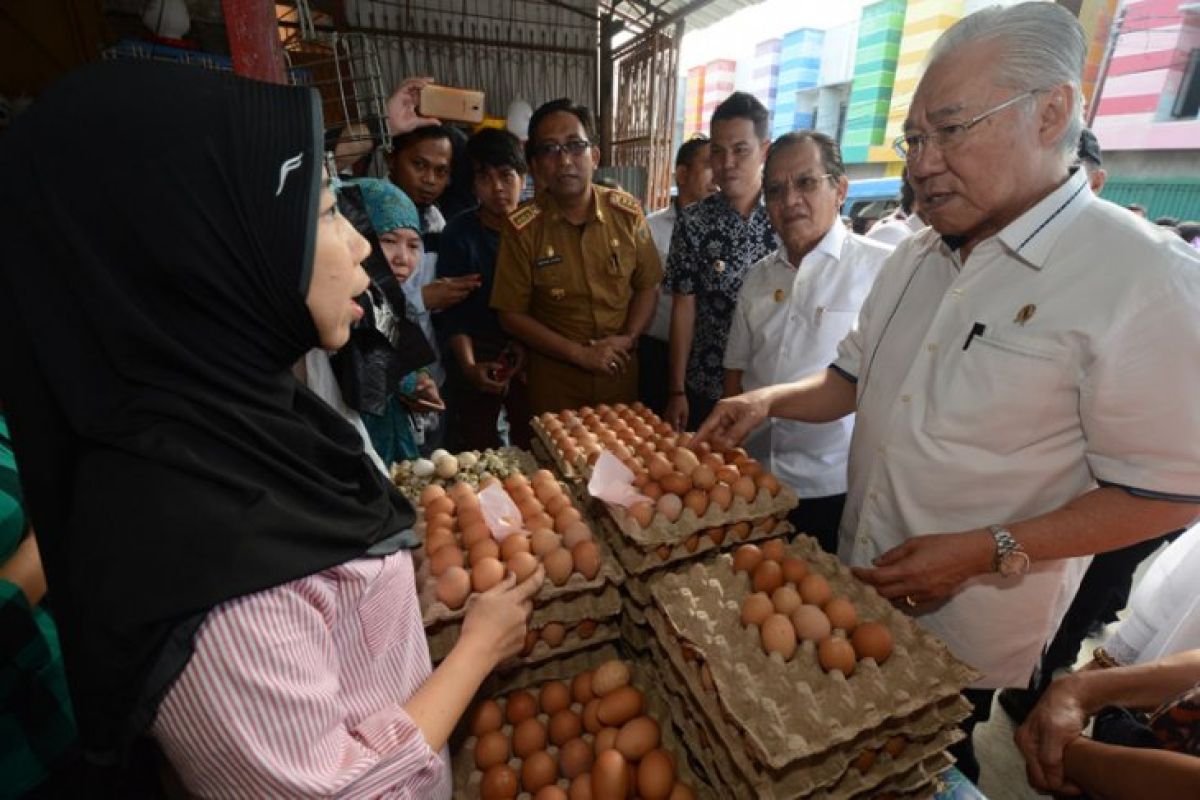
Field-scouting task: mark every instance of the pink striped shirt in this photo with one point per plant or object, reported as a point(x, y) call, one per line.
point(296, 692)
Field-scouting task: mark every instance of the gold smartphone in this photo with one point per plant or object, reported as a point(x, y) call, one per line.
point(445, 102)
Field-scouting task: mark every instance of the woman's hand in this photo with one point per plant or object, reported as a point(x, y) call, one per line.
point(1055, 722)
point(497, 619)
point(446, 292)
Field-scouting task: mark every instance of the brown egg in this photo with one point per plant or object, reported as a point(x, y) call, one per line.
point(530, 507)
point(581, 688)
point(703, 477)
point(896, 745)
point(756, 608)
point(444, 558)
point(486, 717)
point(716, 535)
point(469, 514)
point(872, 640)
point(559, 566)
point(642, 513)
point(728, 474)
point(842, 613)
point(565, 517)
point(486, 574)
point(764, 525)
point(550, 792)
point(586, 557)
point(476, 532)
point(513, 544)
point(745, 489)
point(553, 633)
point(437, 539)
point(499, 783)
point(836, 653)
point(610, 776)
point(606, 739)
point(453, 587)
point(676, 483)
point(652, 490)
point(740, 530)
point(491, 749)
point(528, 737)
point(556, 501)
point(769, 482)
point(609, 676)
point(810, 623)
point(655, 775)
point(767, 577)
point(620, 705)
point(591, 723)
point(658, 467)
point(815, 590)
point(585, 629)
point(520, 705)
point(544, 541)
point(774, 549)
point(575, 533)
point(539, 770)
point(794, 569)
point(514, 481)
point(685, 460)
point(522, 565)
point(439, 520)
point(778, 636)
point(430, 493)
point(487, 548)
point(575, 758)
point(554, 696)
point(786, 600)
point(691, 543)
point(670, 506)
point(564, 726)
point(637, 737)
point(746, 558)
point(864, 761)
point(749, 467)
point(531, 640)
point(439, 505)
point(697, 501)
point(664, 552)
point(581, 787)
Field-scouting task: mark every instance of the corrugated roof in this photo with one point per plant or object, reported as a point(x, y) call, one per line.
point(710, 14)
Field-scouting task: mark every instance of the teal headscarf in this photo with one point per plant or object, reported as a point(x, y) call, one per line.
point(387, 205)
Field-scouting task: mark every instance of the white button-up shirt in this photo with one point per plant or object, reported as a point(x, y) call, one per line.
point(1084, 368)
point(787, 325)
point(662, 225)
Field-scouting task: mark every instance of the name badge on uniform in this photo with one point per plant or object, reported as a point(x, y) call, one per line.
point(557, 293)
point(779, 295)
point(1025, 314)
point(549, 259)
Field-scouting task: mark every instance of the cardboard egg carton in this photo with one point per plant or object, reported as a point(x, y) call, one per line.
point(467, 777)
point(639, 560)
point(792, 710)
point(660, 531)
point(603, 606)
point(929, 731)
point(501, 462)
point(543, 446)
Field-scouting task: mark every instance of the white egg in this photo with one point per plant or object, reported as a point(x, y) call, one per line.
point(467, 460)
point(438, 454)
point(446, 466)
point(423, 468)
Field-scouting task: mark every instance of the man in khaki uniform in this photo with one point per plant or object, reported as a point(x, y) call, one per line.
point(577, 273)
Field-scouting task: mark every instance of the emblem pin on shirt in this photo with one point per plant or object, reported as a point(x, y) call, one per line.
point(1025, 314)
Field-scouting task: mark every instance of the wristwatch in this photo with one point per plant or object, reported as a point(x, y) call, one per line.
point(1011, 559)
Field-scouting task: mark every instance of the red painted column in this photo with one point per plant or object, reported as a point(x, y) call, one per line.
point(254, 39)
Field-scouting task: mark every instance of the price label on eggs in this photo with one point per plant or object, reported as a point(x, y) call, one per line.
point(500, 513)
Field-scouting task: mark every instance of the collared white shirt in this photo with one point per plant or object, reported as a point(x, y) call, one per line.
point(787, 325)
point(895, 228)
point(662, 224)
point(1083, 369)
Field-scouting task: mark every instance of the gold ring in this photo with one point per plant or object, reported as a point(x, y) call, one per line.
point(911, 603)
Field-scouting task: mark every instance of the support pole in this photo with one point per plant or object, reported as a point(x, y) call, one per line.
point(605, 113)
point(254, 39)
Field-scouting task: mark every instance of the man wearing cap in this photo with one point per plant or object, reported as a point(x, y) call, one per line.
point(1016, 369)
point(577, 274)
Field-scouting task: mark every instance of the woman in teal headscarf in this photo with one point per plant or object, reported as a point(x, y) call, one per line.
point(398, 226)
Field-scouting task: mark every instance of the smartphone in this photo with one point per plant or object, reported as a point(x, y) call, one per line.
point(445, 102)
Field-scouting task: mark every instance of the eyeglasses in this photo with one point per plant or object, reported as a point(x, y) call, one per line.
point(777, 191)
point(946, 137)
point(574, 148)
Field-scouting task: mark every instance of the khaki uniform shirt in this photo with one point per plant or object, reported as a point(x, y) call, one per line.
point(577, 280)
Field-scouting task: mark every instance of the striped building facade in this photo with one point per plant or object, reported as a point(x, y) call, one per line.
point(799, 69)
point(693, 104)
point(764, 81)
point(877, 53)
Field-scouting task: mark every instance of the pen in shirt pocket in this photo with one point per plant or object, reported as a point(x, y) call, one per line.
point(976, 330)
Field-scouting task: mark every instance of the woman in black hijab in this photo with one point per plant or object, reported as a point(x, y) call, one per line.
point(228, 569)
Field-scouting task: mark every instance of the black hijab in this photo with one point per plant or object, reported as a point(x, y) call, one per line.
point(157, 235)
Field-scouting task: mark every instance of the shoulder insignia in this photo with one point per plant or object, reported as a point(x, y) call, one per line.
point(625, 202)
point(524, 215)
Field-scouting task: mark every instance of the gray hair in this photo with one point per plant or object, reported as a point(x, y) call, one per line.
point(1044, 46)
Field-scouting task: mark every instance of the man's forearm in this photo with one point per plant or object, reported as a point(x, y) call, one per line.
point(821, 397)
point(641, 309)
point(464, 349)
point(537, 336)
point(683, 320)
point(1136, 686)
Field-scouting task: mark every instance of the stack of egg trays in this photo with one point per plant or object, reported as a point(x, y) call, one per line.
point(778, 729)
point(467, 777)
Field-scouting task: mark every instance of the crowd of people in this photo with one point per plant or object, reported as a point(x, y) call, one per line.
point(226, 344)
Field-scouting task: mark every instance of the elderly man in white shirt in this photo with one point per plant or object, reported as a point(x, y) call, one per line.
point(1023, 371)
point(794, 307)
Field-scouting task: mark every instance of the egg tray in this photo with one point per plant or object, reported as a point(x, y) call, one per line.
point(790, 710)
point(661, 531)
point(467, 777)
point(434, 611)
point(929, 730)
point(606, 631)
point(603, 604)
point(544, 448)
point(514, 459)
point(638, 561)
